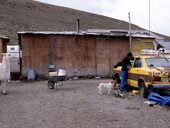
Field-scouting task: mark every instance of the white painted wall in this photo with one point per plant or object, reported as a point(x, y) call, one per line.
point(13, 52)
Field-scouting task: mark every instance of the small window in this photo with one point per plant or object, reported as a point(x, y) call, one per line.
point(138, 62)
point(12, 49)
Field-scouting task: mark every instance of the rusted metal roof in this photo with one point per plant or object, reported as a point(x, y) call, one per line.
point(166, 45)
point(134, 33)
point(4, 37)
point(75, 33)
point(104, 32)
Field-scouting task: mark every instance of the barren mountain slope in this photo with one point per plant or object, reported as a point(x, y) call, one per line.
point(28, 15)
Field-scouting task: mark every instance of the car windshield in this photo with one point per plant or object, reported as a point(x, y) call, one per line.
point(158, 62)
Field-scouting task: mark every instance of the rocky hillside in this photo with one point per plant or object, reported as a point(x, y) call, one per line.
point(28, 15)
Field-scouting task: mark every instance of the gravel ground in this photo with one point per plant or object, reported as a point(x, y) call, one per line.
point(77, 105)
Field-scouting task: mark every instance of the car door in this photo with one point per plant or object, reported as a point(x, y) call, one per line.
point(134, 71)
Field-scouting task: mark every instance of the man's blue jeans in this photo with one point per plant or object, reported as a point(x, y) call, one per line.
point(123, 80)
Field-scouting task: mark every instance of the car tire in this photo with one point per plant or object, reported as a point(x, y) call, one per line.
point(51, 85)
point(143, 90)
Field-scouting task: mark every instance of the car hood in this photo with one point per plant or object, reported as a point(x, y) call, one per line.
point(161, 71)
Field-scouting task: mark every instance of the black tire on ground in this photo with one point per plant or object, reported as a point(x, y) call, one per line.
point(51, 85)
point(143, 90)
point(129, 88)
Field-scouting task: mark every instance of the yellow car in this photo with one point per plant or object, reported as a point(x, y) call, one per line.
point(148, 72)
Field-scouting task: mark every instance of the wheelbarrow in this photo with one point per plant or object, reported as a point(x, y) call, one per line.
point(56, 78)
point(55, 81)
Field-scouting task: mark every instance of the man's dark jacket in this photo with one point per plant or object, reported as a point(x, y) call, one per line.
point(125, 63)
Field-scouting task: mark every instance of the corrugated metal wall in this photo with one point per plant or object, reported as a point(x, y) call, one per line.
point(3, 46)
point(1, 50)
point(78, 55)
point(141, 43)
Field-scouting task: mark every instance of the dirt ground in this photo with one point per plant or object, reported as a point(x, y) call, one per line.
point(77, 105)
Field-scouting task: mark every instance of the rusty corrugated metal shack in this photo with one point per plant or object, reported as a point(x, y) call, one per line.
point(80, 54)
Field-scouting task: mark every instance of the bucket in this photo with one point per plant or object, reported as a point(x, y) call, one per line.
point(31, 74)
point(61, 72)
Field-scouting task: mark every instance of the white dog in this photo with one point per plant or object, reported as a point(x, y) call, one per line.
point(105, 88)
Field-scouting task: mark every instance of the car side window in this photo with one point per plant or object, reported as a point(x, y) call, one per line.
point(138, 62)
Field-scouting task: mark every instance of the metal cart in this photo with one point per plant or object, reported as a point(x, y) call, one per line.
point(55, 81)
point(55, 78)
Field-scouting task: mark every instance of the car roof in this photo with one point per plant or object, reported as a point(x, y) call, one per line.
point(144, 56)
point(148, 56)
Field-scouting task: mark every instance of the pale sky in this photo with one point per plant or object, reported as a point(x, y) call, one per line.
point(139, 11)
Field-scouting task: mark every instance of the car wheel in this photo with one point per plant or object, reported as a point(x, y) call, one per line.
point(51, 85)
point(143, 90)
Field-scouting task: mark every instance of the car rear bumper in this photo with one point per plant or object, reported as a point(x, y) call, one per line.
point(160, 86)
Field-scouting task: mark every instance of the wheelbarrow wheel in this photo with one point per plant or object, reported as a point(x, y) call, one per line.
point(51, 85)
